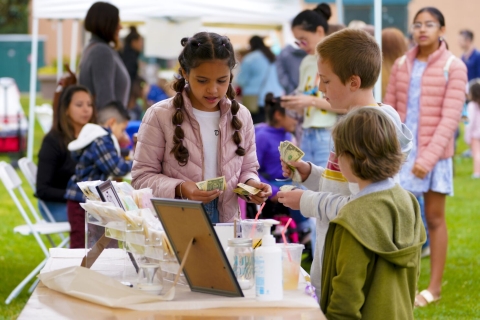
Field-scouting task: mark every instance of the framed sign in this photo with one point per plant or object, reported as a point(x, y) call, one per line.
point(206, 266)
point(107, 193)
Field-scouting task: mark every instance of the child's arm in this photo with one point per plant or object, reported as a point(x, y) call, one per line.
point(322, 205)
point(310, 174)
point(147, 171)
point(108, 160)
point(347, 297)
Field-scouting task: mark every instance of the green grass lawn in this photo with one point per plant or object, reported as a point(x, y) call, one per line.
point(461, 286)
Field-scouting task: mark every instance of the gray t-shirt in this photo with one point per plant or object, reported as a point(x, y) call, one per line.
point(102, 71)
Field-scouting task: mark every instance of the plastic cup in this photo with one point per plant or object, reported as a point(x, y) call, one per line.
point(259, 229)
point(291, 269)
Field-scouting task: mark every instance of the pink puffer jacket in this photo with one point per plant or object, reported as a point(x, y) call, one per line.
point(441, 103)
point(155, 167)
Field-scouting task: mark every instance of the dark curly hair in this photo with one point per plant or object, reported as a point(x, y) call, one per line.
point(203, 46)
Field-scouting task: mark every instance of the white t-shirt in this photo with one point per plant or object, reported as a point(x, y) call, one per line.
point(209, 122)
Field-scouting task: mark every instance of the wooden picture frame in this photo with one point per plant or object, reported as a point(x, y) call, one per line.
point(206, 266)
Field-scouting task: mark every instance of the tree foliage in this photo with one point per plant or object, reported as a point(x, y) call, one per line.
point(14, 15)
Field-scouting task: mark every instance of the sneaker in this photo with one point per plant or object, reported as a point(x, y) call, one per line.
point(476, 176)
point(426, 252)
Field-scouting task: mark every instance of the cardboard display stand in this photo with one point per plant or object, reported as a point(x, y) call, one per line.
point(206, 266)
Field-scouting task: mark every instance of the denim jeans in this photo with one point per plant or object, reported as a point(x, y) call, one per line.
point(57, 209)
point(212, 211)
point(316, 143)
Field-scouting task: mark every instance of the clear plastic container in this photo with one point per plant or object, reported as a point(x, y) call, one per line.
point(291, 261)
point(240, 255)
point(255, 230)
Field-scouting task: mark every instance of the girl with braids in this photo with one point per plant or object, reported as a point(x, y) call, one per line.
point(200, 133)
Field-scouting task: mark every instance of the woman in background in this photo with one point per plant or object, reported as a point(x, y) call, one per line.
point(55, 165)
point(101, 69)
point(257, 76)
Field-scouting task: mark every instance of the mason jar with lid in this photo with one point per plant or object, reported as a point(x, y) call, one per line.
point(240, 256)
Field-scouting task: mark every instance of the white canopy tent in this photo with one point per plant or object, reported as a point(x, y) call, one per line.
point(231, 12)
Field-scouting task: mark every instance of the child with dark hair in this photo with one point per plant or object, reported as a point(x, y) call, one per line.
point(372, 249)
point(279, 127)
point(427, 88)
point(309, 28)
point(199, 134)
point(97, 153)
point(472, 131)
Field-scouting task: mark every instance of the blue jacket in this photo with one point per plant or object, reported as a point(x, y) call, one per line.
point(97, 157)
point(258, 77)
point(473, 64)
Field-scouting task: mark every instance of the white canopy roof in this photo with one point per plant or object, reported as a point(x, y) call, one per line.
point(222, 11)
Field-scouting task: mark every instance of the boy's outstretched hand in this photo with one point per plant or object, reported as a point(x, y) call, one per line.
point(296, 102)
point(302, 167)
point(290, 199)
point(262, 196)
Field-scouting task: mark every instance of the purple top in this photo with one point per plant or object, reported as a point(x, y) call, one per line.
point(268, 139)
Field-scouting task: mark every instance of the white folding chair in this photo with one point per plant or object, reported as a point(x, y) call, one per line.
point(29, 170)
point(38, 227)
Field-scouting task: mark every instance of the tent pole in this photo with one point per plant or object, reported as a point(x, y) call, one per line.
point(377, 8)
point(73, 46)
point(59, 49)
point(33, 88)
point(339, 6)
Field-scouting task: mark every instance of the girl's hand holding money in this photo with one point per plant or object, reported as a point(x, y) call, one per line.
point(290, 199)
point(189, 190)
point(262, 196)
point(302, 167)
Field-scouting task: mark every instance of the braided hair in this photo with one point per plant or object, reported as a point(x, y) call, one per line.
point(203, 46)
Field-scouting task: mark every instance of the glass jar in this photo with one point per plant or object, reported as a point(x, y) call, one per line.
point(240, 255)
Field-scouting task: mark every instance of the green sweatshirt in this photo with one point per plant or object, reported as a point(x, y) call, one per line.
point(372, 257)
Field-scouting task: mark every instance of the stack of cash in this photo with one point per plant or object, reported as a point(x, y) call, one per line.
point(212, 184)
point(246, 190)
point(290, 152)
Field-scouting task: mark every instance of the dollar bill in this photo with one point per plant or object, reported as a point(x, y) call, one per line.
point(212, 184)
point(287, 188)
point(246, 190)
point(290, 152)
point(241, 191)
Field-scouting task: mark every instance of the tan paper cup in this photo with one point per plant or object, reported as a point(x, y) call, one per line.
point(291, 269)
